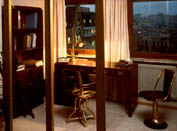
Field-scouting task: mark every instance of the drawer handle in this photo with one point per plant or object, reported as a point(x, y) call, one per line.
point(120, 73)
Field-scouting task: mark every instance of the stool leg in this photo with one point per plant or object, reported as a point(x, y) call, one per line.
point(93, 114)
point(83, 117)
point(155, 122)
point(155, 110)
point(75, 109)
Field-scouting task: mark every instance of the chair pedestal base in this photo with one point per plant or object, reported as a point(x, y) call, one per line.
point(155, 123)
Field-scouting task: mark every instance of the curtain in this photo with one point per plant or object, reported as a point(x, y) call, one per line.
point(116, 31)
point(59, 29)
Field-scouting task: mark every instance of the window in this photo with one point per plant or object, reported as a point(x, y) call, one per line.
point(80, 27)
point(154, 29)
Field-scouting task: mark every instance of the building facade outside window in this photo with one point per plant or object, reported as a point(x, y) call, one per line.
point(82, 17)
point(154, 29)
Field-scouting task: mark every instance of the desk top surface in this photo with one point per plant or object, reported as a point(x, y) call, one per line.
point(92, 64)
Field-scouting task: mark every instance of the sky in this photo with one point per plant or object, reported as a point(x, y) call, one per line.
point(165, 7)
point(92, 7)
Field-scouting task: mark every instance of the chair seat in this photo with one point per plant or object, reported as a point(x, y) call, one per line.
point(87, 93)
point(152, 95)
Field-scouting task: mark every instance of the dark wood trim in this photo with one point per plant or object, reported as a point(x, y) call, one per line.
point(76, 2)
point(100, 88)
point(7, 65)
point(27, 8)
point(153, 55)
point(134, 54)
point(49, 63)
point(130, 24)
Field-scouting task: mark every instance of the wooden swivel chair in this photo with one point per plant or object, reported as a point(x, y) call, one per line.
point(155, 122)
point(81, 93)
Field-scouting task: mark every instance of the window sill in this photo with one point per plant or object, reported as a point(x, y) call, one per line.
point(154, 61)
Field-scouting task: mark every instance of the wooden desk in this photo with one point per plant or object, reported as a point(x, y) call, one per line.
point(121, 82)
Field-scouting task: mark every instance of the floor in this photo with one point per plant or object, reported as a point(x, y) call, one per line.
point(116, 119)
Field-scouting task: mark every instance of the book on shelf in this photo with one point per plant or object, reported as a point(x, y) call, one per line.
point(19, 19)
point(29, 40)
point(31, 20)
point(34, 37)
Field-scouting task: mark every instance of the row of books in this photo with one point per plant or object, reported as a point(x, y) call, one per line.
point(29, 40)
point(30, 20)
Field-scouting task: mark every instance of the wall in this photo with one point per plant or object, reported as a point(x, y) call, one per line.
point(35, 3)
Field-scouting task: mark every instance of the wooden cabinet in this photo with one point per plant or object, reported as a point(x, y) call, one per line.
point(28, 90)
point(121, 83)
point(27, 29)
point(27, 44)
point(122, 86)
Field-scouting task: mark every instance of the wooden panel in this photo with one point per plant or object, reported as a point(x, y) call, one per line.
point(122, 86)
point(100, 87)
point(49, 62)
point(7, 65)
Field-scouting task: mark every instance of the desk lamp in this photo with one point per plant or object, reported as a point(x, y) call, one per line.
point(77, 29)
point(80, 44)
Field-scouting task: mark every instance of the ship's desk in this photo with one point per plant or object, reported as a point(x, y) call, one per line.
point(120, 82)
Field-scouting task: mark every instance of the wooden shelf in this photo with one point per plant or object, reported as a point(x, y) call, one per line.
point(29, 49)
point(28, 30)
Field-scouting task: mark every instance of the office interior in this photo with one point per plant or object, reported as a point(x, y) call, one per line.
point(128, 62)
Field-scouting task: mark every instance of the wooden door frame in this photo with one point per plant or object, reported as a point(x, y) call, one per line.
point(49, 65)
point(100, 88)
point(7, 65)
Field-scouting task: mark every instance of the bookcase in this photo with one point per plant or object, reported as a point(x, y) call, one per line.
point(27, 29)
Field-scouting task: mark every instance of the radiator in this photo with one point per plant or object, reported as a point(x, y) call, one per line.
point(148, 74)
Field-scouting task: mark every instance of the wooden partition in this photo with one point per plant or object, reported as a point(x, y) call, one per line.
point(7, 65)
point(100, 88)
point(49, 62)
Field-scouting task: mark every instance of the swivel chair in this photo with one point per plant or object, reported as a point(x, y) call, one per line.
point(155, 95)
point(81, 93)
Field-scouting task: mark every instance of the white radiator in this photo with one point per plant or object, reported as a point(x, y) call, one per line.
point(147, 76)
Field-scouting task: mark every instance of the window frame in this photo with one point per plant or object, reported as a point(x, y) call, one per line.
point(81, 51)
point(134, 54)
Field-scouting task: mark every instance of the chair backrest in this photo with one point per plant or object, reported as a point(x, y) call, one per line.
point(169, 77)
point(73, 80)
point(79, 78)
point(69, 79)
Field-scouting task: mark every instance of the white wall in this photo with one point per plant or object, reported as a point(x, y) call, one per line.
point(35, 3)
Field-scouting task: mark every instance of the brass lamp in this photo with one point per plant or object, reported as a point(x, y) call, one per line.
point(77, 29)
point(80, 44)
point(73, 59)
